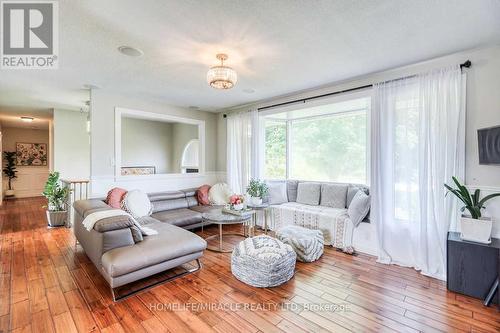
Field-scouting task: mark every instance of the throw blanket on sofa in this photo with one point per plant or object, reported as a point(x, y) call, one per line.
point(335, 224)
point(93, 218)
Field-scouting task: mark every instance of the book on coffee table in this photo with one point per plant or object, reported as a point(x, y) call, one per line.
point(242, 212)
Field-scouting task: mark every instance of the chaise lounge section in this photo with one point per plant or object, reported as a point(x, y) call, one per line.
point(122, 255)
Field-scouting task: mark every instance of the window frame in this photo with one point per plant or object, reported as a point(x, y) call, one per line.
point(267, 114)
point(262, 149)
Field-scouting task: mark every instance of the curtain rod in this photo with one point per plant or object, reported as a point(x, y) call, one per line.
point(466, 64)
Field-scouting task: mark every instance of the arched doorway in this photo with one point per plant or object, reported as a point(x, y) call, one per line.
point(190, 157)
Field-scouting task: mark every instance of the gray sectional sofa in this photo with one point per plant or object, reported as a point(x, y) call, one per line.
point(122, 255)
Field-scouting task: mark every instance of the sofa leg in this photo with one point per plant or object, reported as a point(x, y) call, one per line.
point(117, 298)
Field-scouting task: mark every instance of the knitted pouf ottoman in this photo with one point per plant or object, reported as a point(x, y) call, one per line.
point(307, 243)
point(263, 261)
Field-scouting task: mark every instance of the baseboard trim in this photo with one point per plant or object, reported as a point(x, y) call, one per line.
point(366, 250)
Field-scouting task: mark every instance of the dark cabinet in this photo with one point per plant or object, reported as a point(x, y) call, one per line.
point(472, 268)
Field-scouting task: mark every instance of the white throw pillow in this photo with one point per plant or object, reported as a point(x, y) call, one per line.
point(219, 194)
point(359, 207)
point(277, 193)
point(137, 204)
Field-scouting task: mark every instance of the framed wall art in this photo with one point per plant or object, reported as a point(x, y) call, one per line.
point(31, 154)
point(138, 170)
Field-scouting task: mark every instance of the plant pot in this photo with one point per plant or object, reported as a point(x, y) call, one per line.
point(255, 201)
point(475, 230)
point(9, 193)
point(56, 219)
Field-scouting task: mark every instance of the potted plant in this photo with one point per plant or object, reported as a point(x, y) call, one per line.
point(473, 227)
point(257, 190)
point(9, 170)
point(57, 197)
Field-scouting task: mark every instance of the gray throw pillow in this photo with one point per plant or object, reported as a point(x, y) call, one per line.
point(351, 192)
point(277, 193)
point(333, 195)
point(359, 207)
point(308, 193)
point(136, 234)
point(146, 220)
point(291, 188)
point(113, 223)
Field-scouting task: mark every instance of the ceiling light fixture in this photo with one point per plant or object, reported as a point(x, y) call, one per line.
point(27, 119)
point(221, 77)
point(130, 51)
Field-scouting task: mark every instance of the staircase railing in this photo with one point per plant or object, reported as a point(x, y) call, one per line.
point(79, 191)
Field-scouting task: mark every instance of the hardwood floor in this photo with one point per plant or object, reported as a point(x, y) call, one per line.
point(48, 286)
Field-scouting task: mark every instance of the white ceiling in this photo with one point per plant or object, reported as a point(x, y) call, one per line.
point(277, 47)
point(11, 117)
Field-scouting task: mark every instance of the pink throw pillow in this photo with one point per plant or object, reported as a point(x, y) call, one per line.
point(202, 195)
point(115, 197)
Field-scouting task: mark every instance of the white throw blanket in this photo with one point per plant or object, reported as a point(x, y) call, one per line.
point(335, 224)
point(93, 218)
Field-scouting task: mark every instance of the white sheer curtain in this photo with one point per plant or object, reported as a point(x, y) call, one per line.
point(418, 143)
point(242, 149)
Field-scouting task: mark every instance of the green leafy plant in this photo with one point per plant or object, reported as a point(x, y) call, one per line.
point(9, 169)
point(471, 201)
point(257, 188)
point(55, 193)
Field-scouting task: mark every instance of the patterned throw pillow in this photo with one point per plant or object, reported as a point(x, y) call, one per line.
point(137, 204)
point(202, 195)
point(115, 197)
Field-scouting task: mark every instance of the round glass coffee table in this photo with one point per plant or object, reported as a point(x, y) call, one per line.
point(220, 218)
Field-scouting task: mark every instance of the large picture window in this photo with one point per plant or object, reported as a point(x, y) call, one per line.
point(323, 143)
point(275, 150)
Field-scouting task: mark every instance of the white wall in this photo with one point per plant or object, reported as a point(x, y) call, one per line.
point(483, 110)
point(71, 145)
point(147, 143)
point(103, 105)
point(31, 179)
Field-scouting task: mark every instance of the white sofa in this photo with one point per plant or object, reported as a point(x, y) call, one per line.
point(313, 212)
